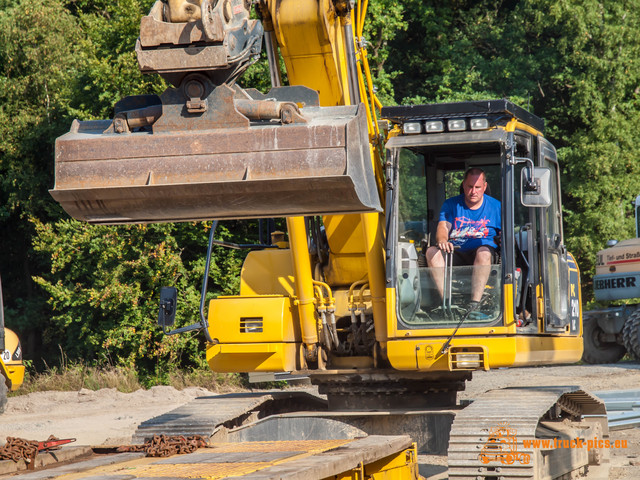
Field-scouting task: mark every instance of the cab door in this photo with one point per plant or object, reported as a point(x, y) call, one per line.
point(553, 259)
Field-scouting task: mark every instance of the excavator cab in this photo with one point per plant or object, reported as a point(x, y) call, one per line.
point(426, 178)
point(531, 287)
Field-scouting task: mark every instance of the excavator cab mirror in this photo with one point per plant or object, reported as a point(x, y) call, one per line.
point(168, 302)
point(535, 187)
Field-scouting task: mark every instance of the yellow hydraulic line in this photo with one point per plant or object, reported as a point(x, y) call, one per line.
point(318, 290)
point(511, 125)
point(378, 104)
point(374, 131)
point(353, 286)
point(372, 123)
point(320, 306)
point(372, 96)
point(373, 137)
point(361, 293)
point(362, 13)
point(374, 250)
point(303, 279)
point(366, 104)
point(327, 288)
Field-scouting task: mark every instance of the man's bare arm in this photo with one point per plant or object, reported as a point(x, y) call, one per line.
point(442, 236)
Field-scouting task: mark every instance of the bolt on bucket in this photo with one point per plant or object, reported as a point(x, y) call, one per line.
point(174, 170)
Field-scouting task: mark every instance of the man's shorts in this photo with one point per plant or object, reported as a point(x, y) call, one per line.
point(467, 257)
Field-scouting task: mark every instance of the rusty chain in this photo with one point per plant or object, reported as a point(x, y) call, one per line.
point(165, 445)
point(17, 449)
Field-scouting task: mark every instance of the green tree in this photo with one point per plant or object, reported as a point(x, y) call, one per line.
point(40, 57)
point(596, 117)
point(58, 61)
point(573, 63)
point(104, 284)
point(112, 72)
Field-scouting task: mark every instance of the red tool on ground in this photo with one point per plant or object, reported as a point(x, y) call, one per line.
point(53, 443)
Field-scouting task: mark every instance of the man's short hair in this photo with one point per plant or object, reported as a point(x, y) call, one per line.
point(474, 171)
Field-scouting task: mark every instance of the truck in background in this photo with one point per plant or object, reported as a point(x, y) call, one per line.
point(613, 331)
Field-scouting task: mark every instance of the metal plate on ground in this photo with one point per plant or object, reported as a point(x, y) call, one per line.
point(311, 460)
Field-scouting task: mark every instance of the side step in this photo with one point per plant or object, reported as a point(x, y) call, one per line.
point(492, 437)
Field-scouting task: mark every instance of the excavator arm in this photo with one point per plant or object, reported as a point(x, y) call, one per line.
point(208, 149)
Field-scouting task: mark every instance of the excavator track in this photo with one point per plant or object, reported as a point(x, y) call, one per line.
point(295, 415)
point(495, 438)
point(209, 416)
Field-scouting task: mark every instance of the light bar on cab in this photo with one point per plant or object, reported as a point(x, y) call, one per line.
point(411, 128)
point(434, 126)
point(457, 125)
point(479, 123)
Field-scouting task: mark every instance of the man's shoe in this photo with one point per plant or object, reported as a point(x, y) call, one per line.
point(473, 305)
point(477, 315)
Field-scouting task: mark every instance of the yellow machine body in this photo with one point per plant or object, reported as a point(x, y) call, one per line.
point(351, 290)
point(347, 297)
point(11, 361)
point(355, 256)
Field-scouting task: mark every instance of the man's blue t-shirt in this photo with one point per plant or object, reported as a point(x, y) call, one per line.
point(471, 229)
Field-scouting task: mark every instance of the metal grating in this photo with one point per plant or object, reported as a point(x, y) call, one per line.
point(251, 324)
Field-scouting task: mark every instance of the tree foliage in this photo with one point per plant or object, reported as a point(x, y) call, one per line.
point(576, 64)
point(103, 286)
point(40, 57)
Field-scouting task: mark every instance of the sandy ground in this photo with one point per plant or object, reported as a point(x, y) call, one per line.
point(103, 417)
point(107, 417)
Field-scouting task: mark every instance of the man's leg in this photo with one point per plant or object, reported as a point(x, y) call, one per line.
point(435, 261)
point(481, 271)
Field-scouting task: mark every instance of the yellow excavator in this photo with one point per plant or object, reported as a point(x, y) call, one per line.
point(346, 296)
point(11, 365)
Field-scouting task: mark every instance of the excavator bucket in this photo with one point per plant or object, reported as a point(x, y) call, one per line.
point(207, 149)
point(220, 165)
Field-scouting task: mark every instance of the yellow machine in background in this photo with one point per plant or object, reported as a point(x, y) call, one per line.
point(347, 299)
point(11, 366)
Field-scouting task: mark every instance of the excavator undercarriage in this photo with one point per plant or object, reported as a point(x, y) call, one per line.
point(513, 433)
